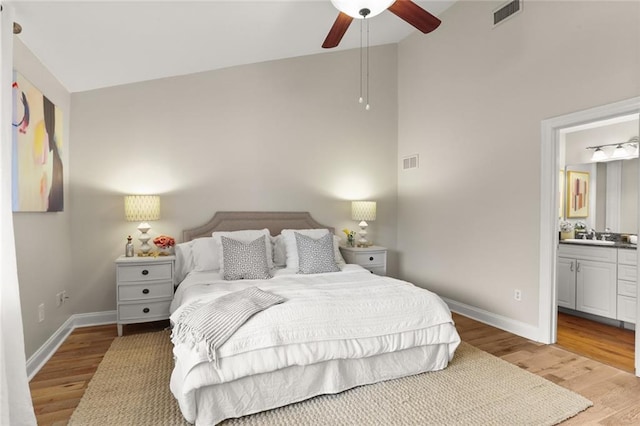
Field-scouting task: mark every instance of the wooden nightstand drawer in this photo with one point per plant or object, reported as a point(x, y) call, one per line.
point(127, 292)
point(369, 260)
point(148, 272)
point(141, 312)
point(373, 258)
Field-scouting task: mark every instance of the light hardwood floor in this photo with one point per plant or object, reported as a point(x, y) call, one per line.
point(56, 390)
point(610, 345)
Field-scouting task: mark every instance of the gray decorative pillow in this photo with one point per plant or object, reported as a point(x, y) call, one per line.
point(245, 261)
point(315, 255)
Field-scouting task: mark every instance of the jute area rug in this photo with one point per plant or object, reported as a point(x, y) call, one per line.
point(131, 387)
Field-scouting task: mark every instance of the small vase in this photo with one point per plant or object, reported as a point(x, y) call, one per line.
point(165, 251)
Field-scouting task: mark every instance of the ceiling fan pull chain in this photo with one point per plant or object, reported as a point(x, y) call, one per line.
point(367, 93)
point(361, 53)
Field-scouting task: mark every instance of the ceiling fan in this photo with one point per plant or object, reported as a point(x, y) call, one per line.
point(361, 9)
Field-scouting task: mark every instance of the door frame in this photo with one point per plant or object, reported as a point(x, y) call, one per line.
point(550, 154)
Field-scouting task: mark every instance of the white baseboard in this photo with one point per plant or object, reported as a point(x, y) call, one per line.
point(42, 355)
point(522, 329)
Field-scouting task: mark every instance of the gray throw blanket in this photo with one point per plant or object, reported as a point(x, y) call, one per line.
point(216, 321)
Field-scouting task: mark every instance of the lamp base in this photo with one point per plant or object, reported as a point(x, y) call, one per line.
point(144, 238)
point(362, 242)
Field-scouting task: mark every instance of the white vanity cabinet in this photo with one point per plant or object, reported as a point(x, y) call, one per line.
point(566, 268)
point(592, 272)
point(627, 285)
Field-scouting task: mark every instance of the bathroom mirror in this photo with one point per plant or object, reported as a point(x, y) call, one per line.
point(612, 197)
point(613, 194)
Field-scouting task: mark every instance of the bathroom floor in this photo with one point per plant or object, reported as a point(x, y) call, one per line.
point(610, 345)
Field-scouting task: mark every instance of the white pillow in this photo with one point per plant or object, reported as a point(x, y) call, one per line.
point(279, 251)
point(246, 236)
point(292, 248)
point(184, 261)
point(337, 253)
point(206, 254)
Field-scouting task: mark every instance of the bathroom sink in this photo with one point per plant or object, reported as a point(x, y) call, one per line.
point(590, 242)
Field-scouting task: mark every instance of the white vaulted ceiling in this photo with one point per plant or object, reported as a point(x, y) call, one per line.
point(93, 44)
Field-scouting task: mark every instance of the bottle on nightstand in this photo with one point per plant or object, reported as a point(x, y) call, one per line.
point(128, 248)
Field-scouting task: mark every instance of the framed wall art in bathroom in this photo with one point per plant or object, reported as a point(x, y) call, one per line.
point(578, 188)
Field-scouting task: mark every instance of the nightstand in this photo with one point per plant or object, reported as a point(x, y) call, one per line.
point(373, 258)
point(144, 288)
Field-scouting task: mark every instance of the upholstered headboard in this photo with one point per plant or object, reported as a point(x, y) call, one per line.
point(235, 221)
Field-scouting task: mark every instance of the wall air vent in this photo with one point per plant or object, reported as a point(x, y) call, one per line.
point(410, 162)
point(506, 11)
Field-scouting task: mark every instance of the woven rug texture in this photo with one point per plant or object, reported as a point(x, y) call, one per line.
point(131, 387)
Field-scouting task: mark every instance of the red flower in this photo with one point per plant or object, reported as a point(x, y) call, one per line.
point(164, 241)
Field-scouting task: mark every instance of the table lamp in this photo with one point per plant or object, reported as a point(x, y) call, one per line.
point(363, 211)
point(142, 208)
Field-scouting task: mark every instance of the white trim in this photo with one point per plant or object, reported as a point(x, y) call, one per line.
point(550, 131)
point(46, 351)
point(516, 327)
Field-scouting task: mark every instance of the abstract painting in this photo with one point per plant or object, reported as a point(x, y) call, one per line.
point(577, 194)
point(37, 178)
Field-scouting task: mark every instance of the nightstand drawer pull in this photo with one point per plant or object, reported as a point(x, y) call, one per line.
point(145, 310)
point(371, 258)
point(145, 272)
point(145, 291)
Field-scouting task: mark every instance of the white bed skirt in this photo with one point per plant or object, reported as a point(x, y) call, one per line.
point(261, 392)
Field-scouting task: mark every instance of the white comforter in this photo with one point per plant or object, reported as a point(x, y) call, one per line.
point(343, 315)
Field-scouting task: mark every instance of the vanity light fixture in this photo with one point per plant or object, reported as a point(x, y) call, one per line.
point(599, 155)
point(619, 152)
point(142, 208)
point(623, 151)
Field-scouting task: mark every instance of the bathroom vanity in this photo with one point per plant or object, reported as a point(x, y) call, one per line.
point(598, 280)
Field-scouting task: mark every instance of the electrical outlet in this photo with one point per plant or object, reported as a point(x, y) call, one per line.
point(517, 295)
point(59, 298)
point(41, 312)
point(64, 296)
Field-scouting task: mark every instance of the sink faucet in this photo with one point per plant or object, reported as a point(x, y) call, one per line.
point(592, 233)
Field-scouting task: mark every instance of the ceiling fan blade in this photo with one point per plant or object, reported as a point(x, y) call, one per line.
point(337, 30)
point(415, 15)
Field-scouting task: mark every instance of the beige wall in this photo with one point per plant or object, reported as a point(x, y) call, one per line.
point(43, 240)
point(471, 102)
point(286, 135)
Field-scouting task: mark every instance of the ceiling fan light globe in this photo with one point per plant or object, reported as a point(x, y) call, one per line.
point(353, 7)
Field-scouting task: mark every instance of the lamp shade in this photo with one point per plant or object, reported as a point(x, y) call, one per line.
point(363, 210)
point(139, 208)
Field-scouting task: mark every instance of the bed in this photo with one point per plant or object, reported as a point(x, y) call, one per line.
point(335, 326)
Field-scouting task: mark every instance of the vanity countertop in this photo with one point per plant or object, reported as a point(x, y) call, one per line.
point(617, 244)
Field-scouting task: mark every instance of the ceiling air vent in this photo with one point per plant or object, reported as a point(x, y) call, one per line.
point(410, 162)
point(506, 11)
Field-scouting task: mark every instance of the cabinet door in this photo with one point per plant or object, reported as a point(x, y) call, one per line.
point(596, 288)
point(566, 282)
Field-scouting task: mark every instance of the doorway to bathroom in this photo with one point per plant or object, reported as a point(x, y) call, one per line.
point(555, 153)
